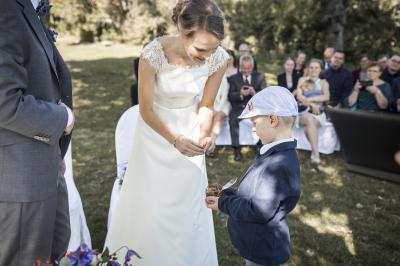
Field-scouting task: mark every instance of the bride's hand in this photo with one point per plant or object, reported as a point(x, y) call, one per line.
point(208, 144)
point(188, 147)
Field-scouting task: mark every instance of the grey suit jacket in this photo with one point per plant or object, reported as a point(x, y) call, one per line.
point(33, 78)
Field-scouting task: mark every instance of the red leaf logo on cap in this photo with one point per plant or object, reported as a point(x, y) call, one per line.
point(250, 106)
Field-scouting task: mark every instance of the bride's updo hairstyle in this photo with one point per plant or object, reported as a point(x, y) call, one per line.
point(192, 15)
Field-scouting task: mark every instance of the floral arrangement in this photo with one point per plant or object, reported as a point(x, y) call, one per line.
point(84, 256)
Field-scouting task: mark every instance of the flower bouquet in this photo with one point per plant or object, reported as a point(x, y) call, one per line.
point(85, 256)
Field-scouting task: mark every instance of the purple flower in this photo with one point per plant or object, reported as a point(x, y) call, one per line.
point(53, 35)
point(83, 256)
point(129, 255)
point(43, 8)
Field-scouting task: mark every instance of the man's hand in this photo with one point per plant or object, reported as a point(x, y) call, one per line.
point(68, 129)
point(245, 90)
point(71, 119)
point(212, 202)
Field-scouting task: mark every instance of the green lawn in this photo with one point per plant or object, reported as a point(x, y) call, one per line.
point(341, 219)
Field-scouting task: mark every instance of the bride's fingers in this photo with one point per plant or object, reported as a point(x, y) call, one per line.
point(187, 153)
point(198, 145)
point(193, 147)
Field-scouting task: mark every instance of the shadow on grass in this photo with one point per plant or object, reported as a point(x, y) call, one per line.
point(341, 219)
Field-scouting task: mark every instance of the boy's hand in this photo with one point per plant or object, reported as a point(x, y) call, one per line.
point(212, 202)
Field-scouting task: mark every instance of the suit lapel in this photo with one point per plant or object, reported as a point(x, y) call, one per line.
point(35, 23)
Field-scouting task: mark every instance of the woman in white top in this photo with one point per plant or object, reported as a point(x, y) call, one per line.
point(161, 211)
point(312, 92)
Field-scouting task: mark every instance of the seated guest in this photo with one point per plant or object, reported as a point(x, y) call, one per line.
point(300, 64)
point(392, 70)
point(339, 78)
point(312, 92)
point(372, 95)
point(242, 87)
point(134, 87)
point(328, 56)
point(382, 61)
point(245, 49)
point(288, 79)
point(360, 73)
point(232, 66)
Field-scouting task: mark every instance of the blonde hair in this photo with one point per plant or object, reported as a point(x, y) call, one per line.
point(287, 121)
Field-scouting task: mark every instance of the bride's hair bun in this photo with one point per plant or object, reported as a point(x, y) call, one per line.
point(199, 14)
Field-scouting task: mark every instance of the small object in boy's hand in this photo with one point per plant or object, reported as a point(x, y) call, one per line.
point(214, 190)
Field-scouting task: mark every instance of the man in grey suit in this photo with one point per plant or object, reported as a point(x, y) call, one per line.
point(35, 125)
point(242, 86)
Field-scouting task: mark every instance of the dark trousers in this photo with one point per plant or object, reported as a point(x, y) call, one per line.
point(31, 231)
point(234, 126)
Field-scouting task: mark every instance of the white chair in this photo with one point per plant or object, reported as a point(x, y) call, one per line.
point(246, 134)
point(327, 139)
point(79, 230)
point(123, 148)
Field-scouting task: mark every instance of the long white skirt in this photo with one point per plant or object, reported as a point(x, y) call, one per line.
point(161, 212)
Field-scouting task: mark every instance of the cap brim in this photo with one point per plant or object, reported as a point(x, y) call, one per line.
point(248, 114)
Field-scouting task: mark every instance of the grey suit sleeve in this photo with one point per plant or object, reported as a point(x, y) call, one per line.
point(22, 113)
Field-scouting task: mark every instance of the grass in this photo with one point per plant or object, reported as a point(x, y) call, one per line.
point(341, 219)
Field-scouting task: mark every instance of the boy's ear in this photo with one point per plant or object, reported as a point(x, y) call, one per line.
point(274, 121)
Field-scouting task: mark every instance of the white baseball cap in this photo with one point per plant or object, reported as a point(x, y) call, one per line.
point(273, 100)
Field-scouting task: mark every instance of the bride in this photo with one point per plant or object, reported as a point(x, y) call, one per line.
point(161, 212)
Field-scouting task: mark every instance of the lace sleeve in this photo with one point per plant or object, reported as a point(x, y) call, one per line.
point(217, 60)
point(153, 53)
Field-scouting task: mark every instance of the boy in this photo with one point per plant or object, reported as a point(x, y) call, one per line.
point(270, 188)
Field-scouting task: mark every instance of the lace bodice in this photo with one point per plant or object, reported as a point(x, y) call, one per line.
point(178, 86)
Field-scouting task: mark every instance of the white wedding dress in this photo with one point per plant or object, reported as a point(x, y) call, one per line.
point(161, 212)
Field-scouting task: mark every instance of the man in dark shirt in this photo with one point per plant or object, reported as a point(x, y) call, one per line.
point(340, 79)
point(392, 71)
point(396, 94)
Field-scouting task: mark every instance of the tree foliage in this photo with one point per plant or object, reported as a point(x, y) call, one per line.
point(286, 26)
point(272, 26)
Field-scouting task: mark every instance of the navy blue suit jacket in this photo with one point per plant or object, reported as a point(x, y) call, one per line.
point(269, 190)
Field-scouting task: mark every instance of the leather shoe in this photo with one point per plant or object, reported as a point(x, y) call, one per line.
point(238, 155)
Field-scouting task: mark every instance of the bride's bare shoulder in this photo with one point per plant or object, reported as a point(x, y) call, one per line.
point(167, 41)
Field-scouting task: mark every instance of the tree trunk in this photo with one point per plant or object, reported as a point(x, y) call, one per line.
point(336, 22)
